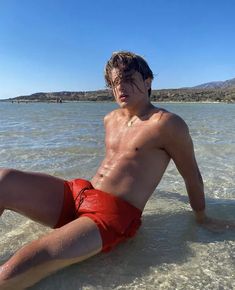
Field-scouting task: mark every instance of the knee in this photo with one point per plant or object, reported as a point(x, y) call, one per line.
point(5, 176)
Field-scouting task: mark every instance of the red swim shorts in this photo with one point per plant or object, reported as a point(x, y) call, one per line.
point(116, 219)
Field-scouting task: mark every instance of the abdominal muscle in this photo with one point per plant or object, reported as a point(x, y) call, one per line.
point(132, 176)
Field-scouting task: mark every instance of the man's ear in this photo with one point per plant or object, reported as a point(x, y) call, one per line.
point(148, 83)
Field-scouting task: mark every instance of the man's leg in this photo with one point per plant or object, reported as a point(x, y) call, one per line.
point(40, 197)
point(72, 243)
point(35, 195)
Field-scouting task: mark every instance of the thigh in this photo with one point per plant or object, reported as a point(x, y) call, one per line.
point(75, 241)
point(72, 243)
point(35, 195)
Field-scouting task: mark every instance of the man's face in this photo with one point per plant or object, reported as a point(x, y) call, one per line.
point(129, 88)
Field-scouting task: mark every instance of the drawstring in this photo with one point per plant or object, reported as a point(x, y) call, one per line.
point(82, 195)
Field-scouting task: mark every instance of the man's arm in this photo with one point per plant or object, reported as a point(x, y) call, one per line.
point(179, 146)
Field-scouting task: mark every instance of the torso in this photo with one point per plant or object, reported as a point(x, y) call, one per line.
point(135, 158)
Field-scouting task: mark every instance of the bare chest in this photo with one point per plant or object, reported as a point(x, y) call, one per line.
point(136, 138)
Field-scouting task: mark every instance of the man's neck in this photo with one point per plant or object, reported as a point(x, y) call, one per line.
point(139, 111)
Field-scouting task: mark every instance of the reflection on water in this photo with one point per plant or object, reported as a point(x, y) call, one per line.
point(170, 250)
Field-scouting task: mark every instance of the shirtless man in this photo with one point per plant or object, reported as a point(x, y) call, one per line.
point(94, 216)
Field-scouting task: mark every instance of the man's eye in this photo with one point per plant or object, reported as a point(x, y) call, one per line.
point(116, 82)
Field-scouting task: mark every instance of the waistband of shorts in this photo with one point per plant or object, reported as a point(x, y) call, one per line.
point(86, 186)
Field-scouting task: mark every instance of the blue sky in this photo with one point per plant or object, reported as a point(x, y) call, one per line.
point(48, 45)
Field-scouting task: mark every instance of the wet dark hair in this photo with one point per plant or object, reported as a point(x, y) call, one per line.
point(127, 61)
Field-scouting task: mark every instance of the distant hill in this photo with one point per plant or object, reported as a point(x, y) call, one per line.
point(217, 85)
point(100, 95)
point(208, 92)
point(194, 95)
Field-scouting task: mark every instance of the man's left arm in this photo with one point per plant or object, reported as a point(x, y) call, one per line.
point(179, 146)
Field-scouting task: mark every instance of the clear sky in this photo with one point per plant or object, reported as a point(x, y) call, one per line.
point(57, 45)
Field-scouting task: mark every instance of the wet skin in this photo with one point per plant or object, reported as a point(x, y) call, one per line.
point(140, 140)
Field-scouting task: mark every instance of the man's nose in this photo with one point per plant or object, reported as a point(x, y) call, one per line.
point(121, 85)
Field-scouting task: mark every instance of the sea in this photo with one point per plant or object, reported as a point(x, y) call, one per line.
point(170, 250)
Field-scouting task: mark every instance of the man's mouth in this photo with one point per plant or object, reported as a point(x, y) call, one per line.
point(123, 97)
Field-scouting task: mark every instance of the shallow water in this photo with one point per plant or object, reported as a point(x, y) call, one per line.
point(170, 251)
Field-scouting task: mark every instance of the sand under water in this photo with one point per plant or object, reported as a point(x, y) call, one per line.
point(170, 250)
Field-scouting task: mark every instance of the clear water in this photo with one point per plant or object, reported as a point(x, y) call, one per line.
point(170, 251)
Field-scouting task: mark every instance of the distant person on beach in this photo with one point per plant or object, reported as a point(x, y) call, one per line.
point(94, 216)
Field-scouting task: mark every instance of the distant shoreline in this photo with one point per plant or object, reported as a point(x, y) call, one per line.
point(155, 101)
point(184, 95)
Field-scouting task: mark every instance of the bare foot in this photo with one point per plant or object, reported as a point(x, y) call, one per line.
point(216, 225)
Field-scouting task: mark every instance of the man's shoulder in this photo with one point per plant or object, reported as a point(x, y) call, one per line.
point(169, 121)
point(111, 115)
